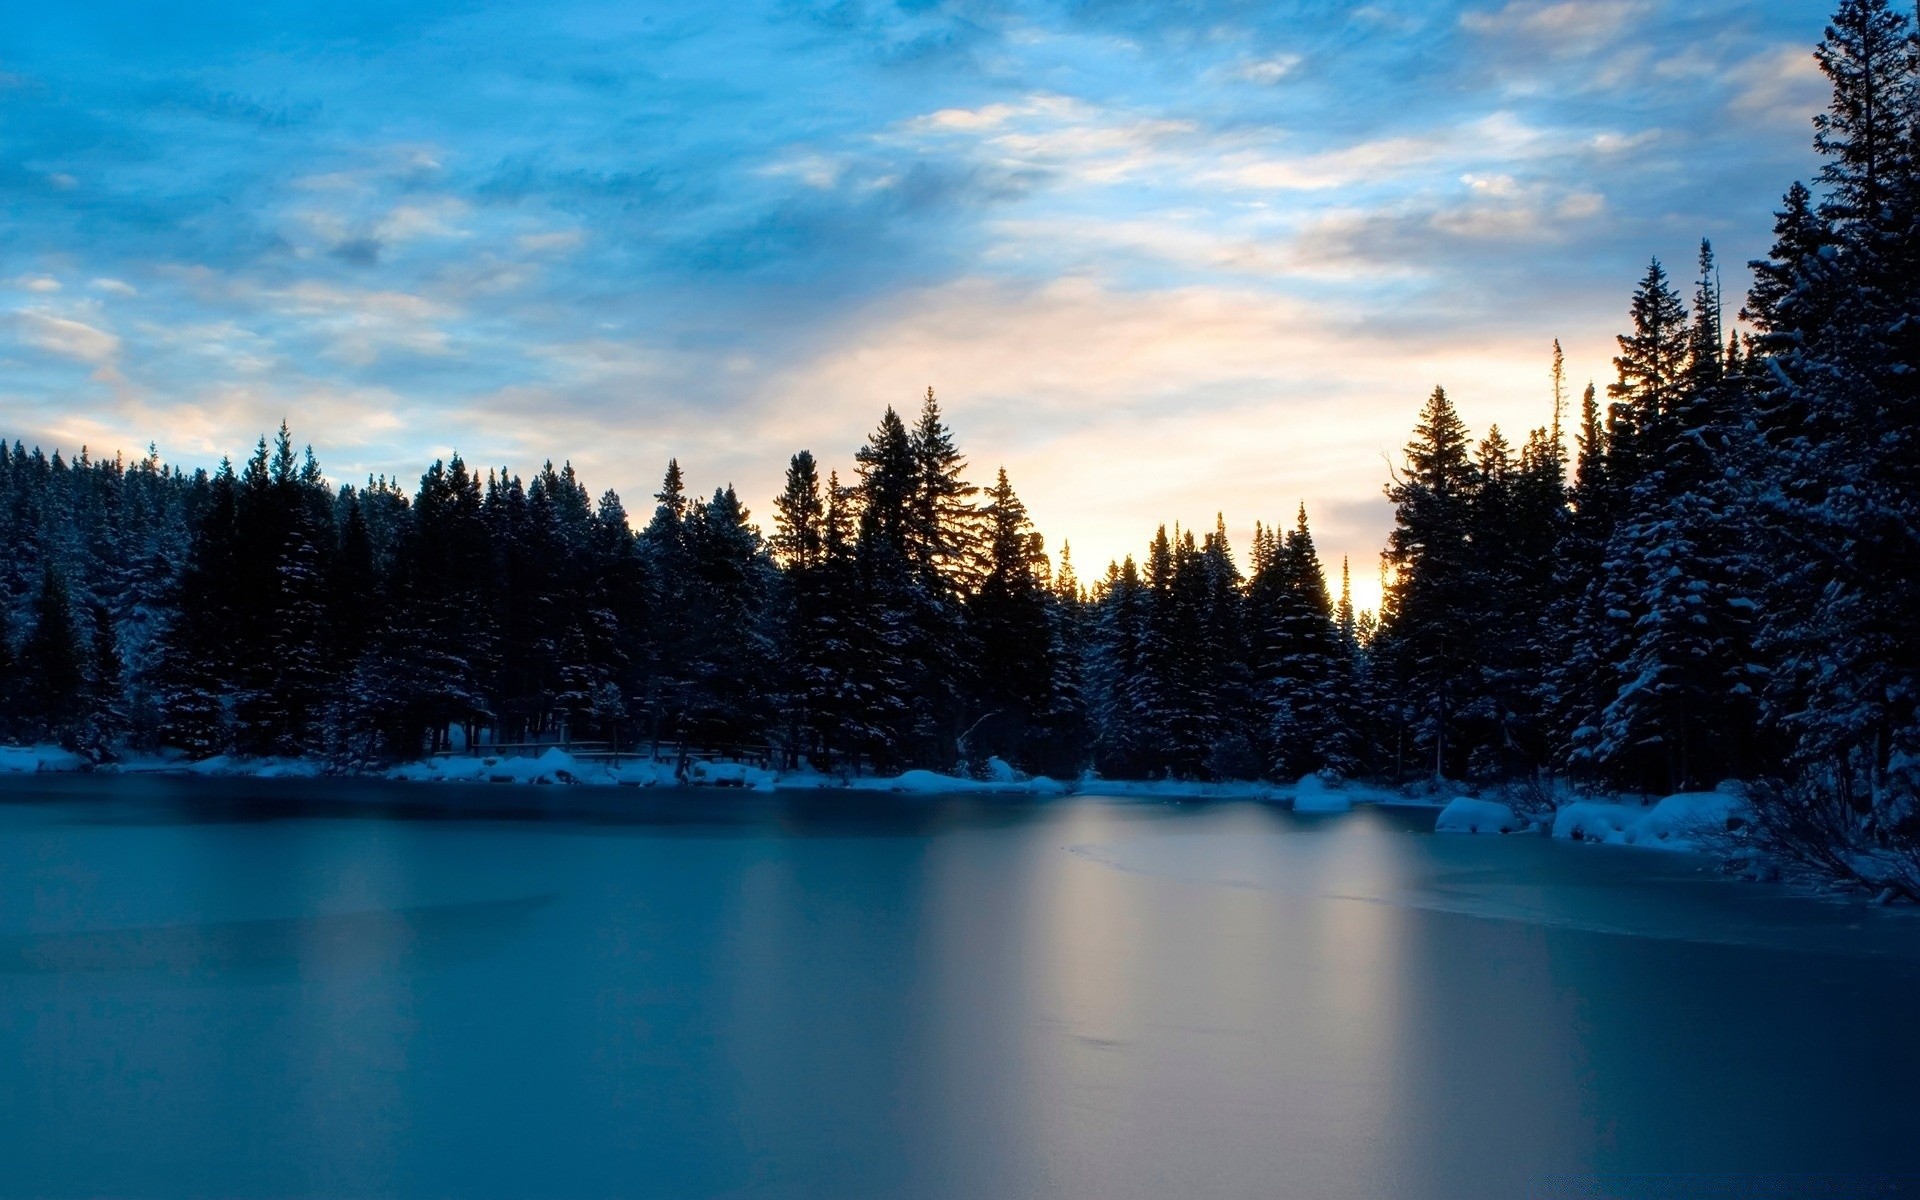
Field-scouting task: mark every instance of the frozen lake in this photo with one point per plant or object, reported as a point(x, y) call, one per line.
point(232, 988)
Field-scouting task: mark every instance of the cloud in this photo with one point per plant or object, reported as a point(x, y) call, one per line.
point(66, 337)
point(1576, 24)
point(1048, 132)
point(1267, 71)
point(1779, 85)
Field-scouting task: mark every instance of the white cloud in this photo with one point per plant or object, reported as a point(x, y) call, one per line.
point(1267, 71)
point(1577, 23)
point(1780, 85)
point(66, 337)
point(1059, 132)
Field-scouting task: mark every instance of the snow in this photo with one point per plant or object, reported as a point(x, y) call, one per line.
point(1464, 814)
point(1312, 794)
point(1316, 795)
point(29, 760)
point(257, 768)
point(1593, 821)
point(1683, 821)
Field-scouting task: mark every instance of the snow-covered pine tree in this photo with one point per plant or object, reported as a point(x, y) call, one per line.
point(1305, 689)
point(1842, 495)
point(1677, 593)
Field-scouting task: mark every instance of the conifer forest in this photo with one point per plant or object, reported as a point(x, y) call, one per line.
point(1707, 568)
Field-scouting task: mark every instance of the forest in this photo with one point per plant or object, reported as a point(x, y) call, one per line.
point(1708, 571)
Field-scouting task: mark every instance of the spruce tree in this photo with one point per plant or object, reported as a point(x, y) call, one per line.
point(53, 662)
point(1009, 624)
point(1426, 638)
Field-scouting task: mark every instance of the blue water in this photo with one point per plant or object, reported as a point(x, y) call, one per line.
point(330, 988)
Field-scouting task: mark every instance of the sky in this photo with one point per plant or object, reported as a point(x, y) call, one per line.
point(1162, 261)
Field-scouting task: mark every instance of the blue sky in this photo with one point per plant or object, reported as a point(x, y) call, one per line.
point(1158, 259)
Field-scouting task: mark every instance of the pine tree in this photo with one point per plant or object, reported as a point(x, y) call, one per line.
point(1123, 738)
point(1676, 595)
point(1426, 643)
point(799, 544)
point(667, 672)
point(1652, 367)
point(730, 595)
point(52, 660)
point(1009, 623)
point(198, 647)
point(1837, 481)
point(1306, 682)
point(104, 723)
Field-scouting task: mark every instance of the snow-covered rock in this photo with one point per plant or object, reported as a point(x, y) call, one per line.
point(1464, 814)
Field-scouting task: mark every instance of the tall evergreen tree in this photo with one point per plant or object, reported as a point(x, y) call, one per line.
point(1426, 639)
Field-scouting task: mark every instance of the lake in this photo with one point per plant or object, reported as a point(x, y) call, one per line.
point(226, 987)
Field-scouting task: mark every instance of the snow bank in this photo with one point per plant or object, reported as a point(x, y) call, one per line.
point(1684, 820)
point(1679, 822)
point(551, 766)
point(1315, 795)
point(1591, 821)
point(932, 783)
point(554, 766)
point(29, 760)
point(1464, 814)
point(257, 768)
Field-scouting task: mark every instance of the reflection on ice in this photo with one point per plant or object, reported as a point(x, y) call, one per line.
point(307, 988)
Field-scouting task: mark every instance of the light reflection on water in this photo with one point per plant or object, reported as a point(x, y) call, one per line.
point(694, 995)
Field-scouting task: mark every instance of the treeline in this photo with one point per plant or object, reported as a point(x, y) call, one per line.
point(905, 619)
point(1715, 579)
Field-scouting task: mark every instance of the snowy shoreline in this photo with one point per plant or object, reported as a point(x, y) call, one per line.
point(1681, 822)
point(556, 766)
